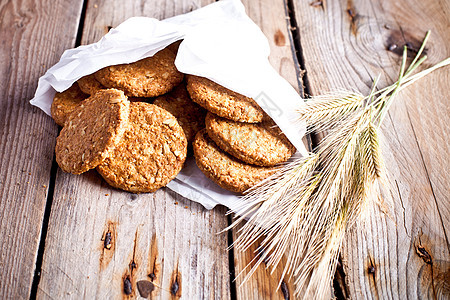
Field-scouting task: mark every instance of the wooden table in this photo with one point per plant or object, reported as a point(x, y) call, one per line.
point(53, 225)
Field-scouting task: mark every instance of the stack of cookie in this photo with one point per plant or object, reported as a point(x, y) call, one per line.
point(110, 124)
point(240, 145)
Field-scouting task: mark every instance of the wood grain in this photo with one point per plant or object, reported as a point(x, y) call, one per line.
point(264, 283)
point(345, 44)
point(102, 242)
point(31, 40)
point(273, 20)
point(160, 238)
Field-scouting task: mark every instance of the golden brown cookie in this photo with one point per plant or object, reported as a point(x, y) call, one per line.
point(64, 103)
point(148, 77)
point(261, 144)
point(92, 130)
point(150, 154)
point(224, 169)
point(223, 102)
point(89, 85)
point(189, 114)
point(174, 46)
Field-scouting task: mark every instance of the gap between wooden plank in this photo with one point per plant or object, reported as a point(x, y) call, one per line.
point(81, 23)
point(233, 293)
point(302, 75)
point(339, 285)
point(48, 208)
point(297, 49)
point(51, 185)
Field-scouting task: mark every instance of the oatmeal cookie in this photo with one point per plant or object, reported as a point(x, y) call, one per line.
point(262, 144)
point(224, 102)
point(174, 46)
point(150, 154)
point(92, 130)
point(89, 85)
point(224, 169)
point(148, 77)
point(64, 103)
point(189, 114)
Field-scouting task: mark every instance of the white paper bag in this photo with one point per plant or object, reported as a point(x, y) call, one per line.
point(221, 43)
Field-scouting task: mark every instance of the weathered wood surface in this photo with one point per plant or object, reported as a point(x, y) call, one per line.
point(160, 238)
point(33, 36)
point(99, 238)
point(346, 44)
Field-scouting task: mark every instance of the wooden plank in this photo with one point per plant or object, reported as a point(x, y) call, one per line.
point(160, 237)
point(33, 37)
point(272, 18)
point(345, 44)
point(263, 284)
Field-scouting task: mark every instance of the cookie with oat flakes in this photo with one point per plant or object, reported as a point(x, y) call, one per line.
point(64, 103)
point(92, 130)
point(224, 169)
point(148, 77)
point(150, 154)
point(224, 102)
point(89, 85)
point(189, 114)
point(262, 144)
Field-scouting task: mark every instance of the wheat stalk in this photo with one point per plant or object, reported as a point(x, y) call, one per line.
point(303, 211)
point(322, 111)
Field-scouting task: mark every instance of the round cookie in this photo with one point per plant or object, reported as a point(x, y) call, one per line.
point(189, 114)
point(92, 130)
point(262, 144)
point(225, 170)
point(150, 154)
point(64, 103)
point(89, 85)
point(148, 77)
point(224, 102)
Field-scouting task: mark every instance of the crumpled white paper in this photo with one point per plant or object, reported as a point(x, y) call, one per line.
point(221, 43)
